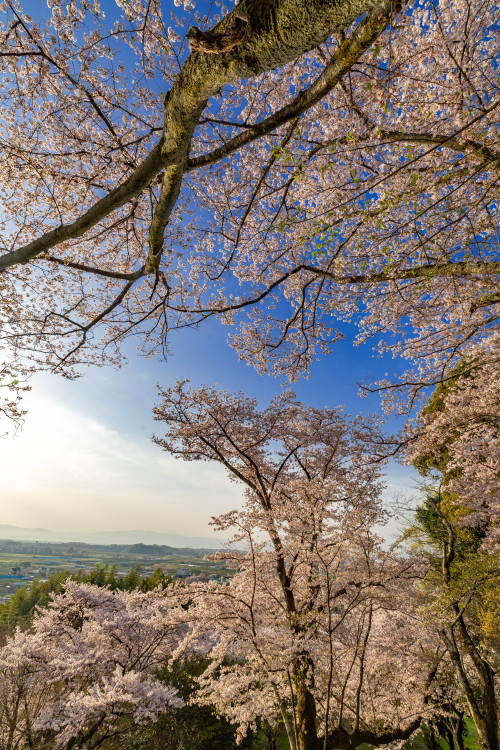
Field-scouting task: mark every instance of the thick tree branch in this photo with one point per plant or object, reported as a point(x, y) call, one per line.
point(344, 740)
point(132, 187)
point(471, 148)
point(427, 271)
point(133, 276)
point(279, 33)
point(340, 63)
point(204, 75)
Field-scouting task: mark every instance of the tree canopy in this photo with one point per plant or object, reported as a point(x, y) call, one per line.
point(306, 162)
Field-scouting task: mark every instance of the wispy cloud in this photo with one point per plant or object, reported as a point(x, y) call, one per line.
point(69, 471)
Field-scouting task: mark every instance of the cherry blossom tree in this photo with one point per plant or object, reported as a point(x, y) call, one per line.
point(86, 670)
point(336, 160)
point(22, 697)
point(318, 623)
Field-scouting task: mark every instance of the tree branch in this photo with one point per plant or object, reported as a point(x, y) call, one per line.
point(295, 29)
point(341, 62)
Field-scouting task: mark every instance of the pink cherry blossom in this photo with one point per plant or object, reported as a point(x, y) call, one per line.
point(344, 173)
point(88, 666)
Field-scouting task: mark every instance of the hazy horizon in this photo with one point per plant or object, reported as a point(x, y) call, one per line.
point(9, 532)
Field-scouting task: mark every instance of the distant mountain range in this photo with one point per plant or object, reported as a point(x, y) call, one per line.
point(134, 536)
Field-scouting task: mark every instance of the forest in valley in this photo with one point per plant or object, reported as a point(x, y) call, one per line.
point(293, 169)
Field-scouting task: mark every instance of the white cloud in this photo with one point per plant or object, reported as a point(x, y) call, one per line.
point(69, 471)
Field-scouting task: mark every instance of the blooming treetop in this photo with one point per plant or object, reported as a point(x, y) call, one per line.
point(347, 662)
point(87, 667)
point(334, 169)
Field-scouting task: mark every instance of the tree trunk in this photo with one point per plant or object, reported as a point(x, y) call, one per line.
point(429, 736)
point(482, 706)
point(458, 732)
point(271, 733)
point(487, 732)
point(305, 708)
point(448, 736)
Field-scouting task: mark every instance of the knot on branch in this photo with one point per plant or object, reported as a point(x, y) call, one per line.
point(217, 43)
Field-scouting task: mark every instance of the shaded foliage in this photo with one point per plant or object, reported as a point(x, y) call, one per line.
point(190, 728)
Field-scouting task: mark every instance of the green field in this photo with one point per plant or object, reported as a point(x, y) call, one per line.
point(38, 560)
